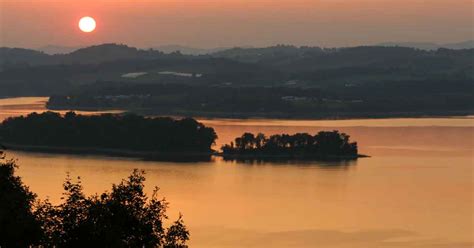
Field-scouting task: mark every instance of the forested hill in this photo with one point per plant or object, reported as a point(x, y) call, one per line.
point(21, 71)
point(343, 79)
point(305, 58)
point(273, 56)
point(11, 57)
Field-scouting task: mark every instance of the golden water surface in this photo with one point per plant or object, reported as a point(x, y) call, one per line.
point(415, 191)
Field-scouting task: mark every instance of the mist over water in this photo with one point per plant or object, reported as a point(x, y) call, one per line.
point(416, 190)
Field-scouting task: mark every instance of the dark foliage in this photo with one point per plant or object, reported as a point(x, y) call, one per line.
point(126, 132)
point(19, 227)
point(322, 145)
point(125, 217)
point(32, 73)
point(280, 81)
point(89, 55)
point(176, 98)
point(385, 98)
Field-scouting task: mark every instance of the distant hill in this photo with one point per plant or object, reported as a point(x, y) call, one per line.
point(281, 55)
point(431, 46)
point(461, 45)
point(283, 80)
point(53, 49)
point(269, 54)
point(188, 50)
point(32, 72)
point(314, 59)
point(89, 55)
point(13, 56)
point(105, 53)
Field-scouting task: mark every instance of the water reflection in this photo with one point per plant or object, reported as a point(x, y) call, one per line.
point(18, 106)
point(415, 191)
point(328, 164)
point(381, 238)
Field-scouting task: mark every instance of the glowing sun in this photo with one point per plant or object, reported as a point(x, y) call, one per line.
point(87, 24)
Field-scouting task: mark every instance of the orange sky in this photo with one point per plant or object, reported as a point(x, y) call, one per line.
point(215, 23)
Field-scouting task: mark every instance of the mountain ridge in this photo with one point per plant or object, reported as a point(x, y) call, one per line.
point(469, 44)
point(111, 51)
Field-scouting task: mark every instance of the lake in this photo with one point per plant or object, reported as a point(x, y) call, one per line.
point(416, 189)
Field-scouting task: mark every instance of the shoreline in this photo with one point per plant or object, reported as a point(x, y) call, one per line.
point(170, 156)
point(271, 157)
point(144, 155)
point(452, 114)
point(281, 116)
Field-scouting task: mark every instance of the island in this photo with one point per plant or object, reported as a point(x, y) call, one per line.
point(325, 145)
point(128, 135)
point(162, 139)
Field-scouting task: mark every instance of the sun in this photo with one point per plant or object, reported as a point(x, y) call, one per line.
point(87, 24)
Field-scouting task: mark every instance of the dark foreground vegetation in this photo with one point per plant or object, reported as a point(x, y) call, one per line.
point(126, 133)
point(123, 217)
point(323, 145)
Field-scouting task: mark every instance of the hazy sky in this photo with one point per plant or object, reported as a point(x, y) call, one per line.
point(216, 23)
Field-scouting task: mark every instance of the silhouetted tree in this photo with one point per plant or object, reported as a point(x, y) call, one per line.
point(176, 235)
point(260, 140)
point(18, 224)
point(122, 218)
point(125, 217)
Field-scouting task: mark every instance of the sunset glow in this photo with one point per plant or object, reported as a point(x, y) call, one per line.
point(87, 24)
point(237, 123)
point(211, 23)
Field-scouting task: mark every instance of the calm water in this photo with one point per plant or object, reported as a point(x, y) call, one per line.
point(416, 190)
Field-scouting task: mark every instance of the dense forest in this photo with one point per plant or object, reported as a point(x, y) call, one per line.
point(323, 145)
point(386, 99)
point(123, 217)
point(127, 132)
point(280, 81)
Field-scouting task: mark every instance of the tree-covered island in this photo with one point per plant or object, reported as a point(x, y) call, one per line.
point(161, 138)
point(124, 135)
point(322, 146)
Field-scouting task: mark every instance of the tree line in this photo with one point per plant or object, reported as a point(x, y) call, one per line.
point(123, 217)
point(347, 98)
